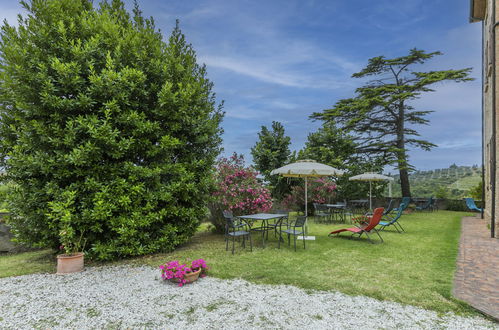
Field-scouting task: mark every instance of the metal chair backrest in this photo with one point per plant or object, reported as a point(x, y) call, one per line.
point(397, 216)
point(405, 200)
point(389, 208)
point(403, 206)
point(230, 223)
point(300, 221)
point(375, 219)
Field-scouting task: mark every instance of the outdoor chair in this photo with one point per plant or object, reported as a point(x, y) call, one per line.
point(338, 214)
point(393, 222)
point(389, 208)
point(367, 229)
point(321, 213)
point(233, 231)
point(297, 229)
point(277, 225)
point(470, 203)
point(404, 202)
point(425, 206)
point(237, 222)
point(433, 205)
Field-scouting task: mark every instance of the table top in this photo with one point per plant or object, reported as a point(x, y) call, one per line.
point(359, 201)
point(262, 216)
point(335, 205)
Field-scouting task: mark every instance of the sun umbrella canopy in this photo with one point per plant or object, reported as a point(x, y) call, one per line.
point(307, 168)
point(371, 176)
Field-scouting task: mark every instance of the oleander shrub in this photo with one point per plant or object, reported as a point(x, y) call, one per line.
point(237, 190)
point(319, 190)
point(107, 131)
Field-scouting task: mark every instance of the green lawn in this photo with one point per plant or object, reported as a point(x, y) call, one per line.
point(414, 268)
point(15, 264)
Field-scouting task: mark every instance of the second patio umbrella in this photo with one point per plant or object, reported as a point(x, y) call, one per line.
point(370, 176)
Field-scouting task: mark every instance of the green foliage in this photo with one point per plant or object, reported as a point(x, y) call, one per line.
point(380, 114)
point(107, 131)
point(476, 191)
point(332, 146)
point(456, 205)
point(4, 192)
point(454, 182)
point(271, 151)
point(442, 193)
point(320, 190)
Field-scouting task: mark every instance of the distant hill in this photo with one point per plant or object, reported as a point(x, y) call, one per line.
point(455, 181)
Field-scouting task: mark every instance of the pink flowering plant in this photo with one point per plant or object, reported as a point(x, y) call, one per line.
point(237, 190)
point(320, 190)
point(174, 270)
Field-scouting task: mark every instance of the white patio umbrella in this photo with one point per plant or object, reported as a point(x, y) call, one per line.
point(370, 176)
point(307, 168)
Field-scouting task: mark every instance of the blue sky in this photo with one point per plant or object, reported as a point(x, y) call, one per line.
point(284, 59)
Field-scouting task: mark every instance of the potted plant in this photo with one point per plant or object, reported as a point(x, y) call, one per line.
point(181, 273)
point(72, 258)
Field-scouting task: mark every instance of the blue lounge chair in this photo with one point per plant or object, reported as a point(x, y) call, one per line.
point(405, 201)
point(470, 203)
point(389, 208)
point(394, 221)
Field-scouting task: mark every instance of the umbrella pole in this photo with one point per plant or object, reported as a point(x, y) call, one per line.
point(306, 208)
point(370, 196)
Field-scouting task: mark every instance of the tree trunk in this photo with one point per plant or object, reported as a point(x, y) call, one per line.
point(402, 155)
point(404, 182)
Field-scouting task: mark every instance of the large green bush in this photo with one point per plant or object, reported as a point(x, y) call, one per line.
point(105, 130)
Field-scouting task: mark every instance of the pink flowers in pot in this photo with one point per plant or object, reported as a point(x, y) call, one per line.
point(173, 270)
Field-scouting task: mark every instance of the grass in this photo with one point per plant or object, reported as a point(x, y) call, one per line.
point(15, 264)
point(413, 268)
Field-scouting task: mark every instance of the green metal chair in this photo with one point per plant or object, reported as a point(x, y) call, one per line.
point(232, 231)
point(297, 229)
point(321, 213)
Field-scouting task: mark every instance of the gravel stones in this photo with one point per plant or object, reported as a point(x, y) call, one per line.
point(136, 297)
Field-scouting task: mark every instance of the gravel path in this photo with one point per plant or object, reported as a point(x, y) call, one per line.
point(136, 297)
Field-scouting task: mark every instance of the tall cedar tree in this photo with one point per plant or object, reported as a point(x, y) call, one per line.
point(271, 151)
point(106, 130)
point(381, 115)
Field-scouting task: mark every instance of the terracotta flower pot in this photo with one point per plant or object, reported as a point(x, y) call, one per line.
point(70, 263)
point(190, 277)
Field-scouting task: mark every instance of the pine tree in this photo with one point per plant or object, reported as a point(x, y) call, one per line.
point(271, 151)
point(381, 115)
